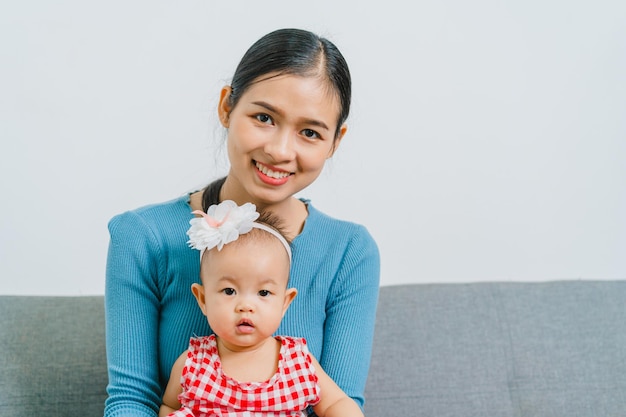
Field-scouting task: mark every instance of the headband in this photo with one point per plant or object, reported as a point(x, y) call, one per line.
point(223, 223)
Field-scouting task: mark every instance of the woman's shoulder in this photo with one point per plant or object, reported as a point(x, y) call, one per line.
point(319, 222)
point(166, 211)
point(161, 222)
point(332, 238)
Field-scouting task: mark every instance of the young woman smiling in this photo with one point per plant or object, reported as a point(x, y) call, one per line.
point(285, 112)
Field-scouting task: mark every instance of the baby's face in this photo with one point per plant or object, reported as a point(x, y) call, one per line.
point(245, 290)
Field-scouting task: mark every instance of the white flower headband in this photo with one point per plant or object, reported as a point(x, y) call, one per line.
point(223, 223)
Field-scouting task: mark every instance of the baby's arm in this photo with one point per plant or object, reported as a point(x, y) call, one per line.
point(173, 389)
point(333, 401)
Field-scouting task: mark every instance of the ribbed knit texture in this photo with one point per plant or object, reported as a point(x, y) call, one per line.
point(151, 312)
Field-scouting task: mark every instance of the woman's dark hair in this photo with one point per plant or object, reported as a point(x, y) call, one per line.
point(211, 194)
point(295, 52)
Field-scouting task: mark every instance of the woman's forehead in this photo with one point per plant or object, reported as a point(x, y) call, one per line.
point(313, 96)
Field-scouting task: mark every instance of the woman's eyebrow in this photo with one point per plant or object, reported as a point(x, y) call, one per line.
point(268, 107)
point(273, 109)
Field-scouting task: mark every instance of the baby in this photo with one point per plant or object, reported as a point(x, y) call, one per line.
point(243, 369)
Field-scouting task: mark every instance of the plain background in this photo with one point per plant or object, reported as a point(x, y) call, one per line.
point(487, 139)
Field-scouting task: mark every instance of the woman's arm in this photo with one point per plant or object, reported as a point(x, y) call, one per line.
point(333, 401)
point(132, 304)
point(351, 315)
point(173, 388)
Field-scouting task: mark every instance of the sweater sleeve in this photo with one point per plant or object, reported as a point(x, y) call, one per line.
point(351, 315)
point(132, 312)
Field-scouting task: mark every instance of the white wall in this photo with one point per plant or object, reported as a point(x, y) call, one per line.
point(487, 139)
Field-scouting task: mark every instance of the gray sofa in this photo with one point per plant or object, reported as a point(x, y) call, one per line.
point(479, 349)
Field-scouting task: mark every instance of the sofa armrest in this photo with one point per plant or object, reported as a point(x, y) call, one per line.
point(52, 356)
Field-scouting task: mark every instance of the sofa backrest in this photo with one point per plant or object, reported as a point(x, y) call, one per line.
point(544, 349)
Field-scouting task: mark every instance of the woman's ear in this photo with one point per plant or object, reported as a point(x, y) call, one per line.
point(198, 292)
point(224, 108)
point(290, 294)
point(337, 141)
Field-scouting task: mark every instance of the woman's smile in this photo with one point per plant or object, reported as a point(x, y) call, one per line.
point(272, 175)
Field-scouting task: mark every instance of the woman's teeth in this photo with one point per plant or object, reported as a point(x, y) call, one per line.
point(272, 174)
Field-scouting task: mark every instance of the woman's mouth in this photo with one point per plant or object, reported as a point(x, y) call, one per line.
point(271, 176)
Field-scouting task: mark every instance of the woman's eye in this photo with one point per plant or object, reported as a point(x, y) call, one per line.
point(311, 134)
point(264, 293)
point(264, 118)
point(228, 291)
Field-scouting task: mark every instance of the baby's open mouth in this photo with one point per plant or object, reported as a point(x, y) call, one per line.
point(245, 326)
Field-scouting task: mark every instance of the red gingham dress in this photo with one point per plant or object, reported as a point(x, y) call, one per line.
point(208, 392)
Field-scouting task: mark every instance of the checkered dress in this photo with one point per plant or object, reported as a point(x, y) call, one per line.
point(208, 392)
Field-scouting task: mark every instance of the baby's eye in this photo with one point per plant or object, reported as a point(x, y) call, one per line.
point(311, 134)
point(228, 291)
point(264, 293)
point(264, 118)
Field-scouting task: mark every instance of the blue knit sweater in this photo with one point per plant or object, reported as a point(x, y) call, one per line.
point(151, 312)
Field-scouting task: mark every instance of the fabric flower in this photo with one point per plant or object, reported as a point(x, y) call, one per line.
point(221, 224)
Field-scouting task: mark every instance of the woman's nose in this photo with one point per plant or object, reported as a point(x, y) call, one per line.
point(281, 146)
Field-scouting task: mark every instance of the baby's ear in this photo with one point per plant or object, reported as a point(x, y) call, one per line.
point(198, 292)
point(290, 294)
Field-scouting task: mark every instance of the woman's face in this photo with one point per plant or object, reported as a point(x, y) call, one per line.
point(280, 134)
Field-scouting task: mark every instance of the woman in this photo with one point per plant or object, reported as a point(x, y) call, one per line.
point(285, 114)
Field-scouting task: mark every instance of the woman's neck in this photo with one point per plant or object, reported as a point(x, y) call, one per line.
point(291, 211)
